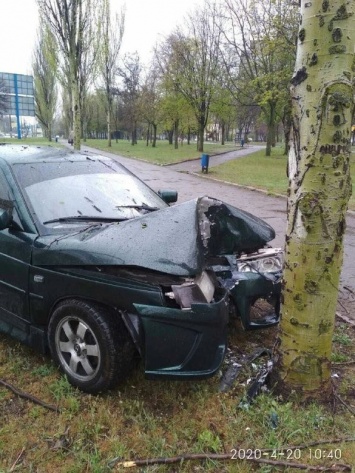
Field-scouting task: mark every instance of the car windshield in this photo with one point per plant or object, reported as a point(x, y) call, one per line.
point(77, 191)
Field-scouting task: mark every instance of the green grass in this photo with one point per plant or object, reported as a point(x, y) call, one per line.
point(265, 173)
point(29, 141)
point(149, 419)
point(163, 153)
point(256, 170)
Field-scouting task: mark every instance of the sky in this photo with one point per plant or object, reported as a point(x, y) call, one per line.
point(147, 22)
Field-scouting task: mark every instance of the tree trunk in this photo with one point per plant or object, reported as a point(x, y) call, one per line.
point(109, 142)
point(155, 126)
point(148, 135)
point(320, 187)
point(176, 134)
point(270, 139)
point(286, 122)
point(223, 132)
point(76, 115)
point(200, 135)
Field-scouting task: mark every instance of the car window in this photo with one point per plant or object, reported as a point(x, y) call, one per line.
point(6, 201)
point(4, 188)
point(94, 188)
point(5, 194)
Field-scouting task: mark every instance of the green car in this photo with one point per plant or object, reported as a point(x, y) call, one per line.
point(97, 268)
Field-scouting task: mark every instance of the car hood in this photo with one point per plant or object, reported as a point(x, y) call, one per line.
point(175, 240)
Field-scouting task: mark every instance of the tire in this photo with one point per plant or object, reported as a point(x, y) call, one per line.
point(90, 344)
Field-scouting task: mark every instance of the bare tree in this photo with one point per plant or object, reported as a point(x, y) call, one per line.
point(320, 187)
point(44, 71)
point(110, 45)
point(70, 22)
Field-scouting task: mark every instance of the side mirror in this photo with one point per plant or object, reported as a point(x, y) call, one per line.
point(5, 219)
point(168, 196)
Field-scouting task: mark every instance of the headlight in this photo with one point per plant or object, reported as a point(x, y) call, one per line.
point(264, 261)
point(201, 289)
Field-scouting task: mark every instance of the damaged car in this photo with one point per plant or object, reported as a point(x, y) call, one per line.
point(97, 268)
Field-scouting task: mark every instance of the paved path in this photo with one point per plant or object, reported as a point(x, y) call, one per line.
point(195, 164)
point(272, 209)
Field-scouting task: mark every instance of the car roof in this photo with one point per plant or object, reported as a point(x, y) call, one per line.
point(18, 153)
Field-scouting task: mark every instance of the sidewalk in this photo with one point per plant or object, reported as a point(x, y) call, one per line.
point(215, 159)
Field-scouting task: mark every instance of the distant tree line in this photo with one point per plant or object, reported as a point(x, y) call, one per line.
point(228, 66)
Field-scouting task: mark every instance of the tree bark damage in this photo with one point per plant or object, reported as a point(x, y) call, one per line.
point(319, 190)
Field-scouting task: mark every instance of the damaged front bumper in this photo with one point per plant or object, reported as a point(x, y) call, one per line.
point(188, 343)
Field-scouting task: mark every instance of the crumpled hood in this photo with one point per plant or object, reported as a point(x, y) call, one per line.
point(175, 240)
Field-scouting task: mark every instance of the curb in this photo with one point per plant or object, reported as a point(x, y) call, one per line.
point(250, 188)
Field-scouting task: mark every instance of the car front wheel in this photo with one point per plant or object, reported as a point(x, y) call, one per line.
point(90, 344)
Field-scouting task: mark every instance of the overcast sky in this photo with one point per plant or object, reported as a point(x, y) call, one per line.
point(147, 22)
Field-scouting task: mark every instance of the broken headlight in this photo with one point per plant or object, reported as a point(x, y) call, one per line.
point(263, 261)
point(198, 290)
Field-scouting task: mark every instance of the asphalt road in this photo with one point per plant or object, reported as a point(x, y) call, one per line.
point(189, 185)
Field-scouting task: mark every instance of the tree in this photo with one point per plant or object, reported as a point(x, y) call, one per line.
point(259, 37)
point(88, 69)
point(96, 114)
point(111, 39)
point(4, 98)
point(150, 104)
point(44, 73)
point(130, 74)
point(223, 108)
point(70, 23)
point(191, 63)
point(322, 100)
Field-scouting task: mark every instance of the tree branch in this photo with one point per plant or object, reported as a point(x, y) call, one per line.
point(28, 396)
point(228, 456)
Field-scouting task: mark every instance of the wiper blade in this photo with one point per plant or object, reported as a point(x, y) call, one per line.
point(76, 218)
point(139, 207)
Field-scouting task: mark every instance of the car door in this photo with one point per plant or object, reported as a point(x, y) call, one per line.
point(15, 258)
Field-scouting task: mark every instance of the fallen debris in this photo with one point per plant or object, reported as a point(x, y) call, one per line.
point(233, 371)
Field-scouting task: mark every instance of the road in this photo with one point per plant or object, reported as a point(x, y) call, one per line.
point(183, 178)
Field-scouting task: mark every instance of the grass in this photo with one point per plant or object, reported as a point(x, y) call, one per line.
point(256, 170)
point(149, 419)
point(163, 153)
point(265, 173)
point(29, 141)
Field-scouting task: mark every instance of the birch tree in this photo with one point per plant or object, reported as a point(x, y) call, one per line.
point(322, 101)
